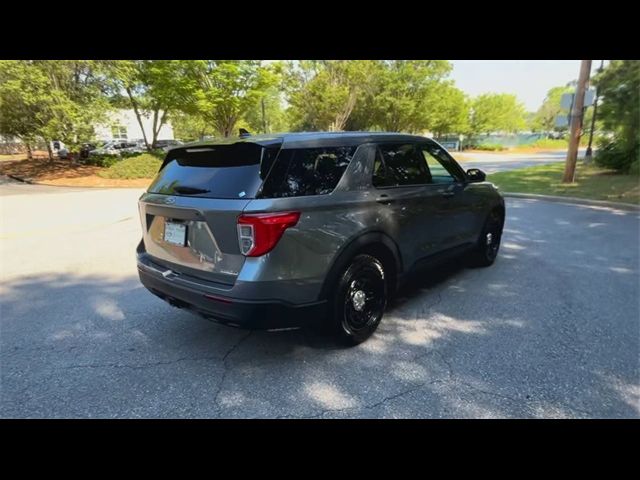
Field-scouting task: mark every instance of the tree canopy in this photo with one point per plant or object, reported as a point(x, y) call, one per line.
point(497, 112)
point(48, 100)
point(64, 99)
point(619, 112)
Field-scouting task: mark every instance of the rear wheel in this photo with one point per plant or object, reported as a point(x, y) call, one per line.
point(488, 244)
point(359, 300)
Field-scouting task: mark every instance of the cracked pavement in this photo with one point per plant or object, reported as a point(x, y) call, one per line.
point(551, 330)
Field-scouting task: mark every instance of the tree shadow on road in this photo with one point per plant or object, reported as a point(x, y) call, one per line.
point(454, 344)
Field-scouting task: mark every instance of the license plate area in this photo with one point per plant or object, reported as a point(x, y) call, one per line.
point(175, 233)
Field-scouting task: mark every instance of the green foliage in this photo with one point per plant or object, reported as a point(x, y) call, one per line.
point(408, 95)
point(102, 160)
point(51, 99)
point(227, 89)
point(450, 111)
point(140, 166)
point(545, 118)
point(398, 95)
point(493, 112)
point(274, 118)
point(618, 155)
point(155, 88)
point(191, 127)
point(619, 113)
point(322, 94)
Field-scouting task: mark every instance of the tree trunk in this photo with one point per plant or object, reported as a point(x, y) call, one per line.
point(134, 104)
point(50, 151)
point(29, 151)
point(156, 130)
point(153, 129)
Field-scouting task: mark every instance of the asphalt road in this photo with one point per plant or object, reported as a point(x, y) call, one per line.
point(551, 330)
point(496, 162)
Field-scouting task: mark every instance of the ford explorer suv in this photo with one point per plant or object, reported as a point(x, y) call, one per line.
point(295, 229)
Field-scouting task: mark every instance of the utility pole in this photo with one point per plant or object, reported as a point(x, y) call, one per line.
point(577, 113)
point(589, 154)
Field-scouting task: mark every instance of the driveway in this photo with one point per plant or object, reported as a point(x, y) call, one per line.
point(551, 330)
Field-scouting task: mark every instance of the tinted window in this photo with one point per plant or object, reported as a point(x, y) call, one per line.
point(221, 171)
point(307, 171)
point(401, 165)
point(443, 169)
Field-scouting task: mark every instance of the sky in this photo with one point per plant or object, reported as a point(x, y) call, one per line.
point(529, 80)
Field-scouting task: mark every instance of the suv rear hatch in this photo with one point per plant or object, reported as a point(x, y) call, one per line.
point(189, 213)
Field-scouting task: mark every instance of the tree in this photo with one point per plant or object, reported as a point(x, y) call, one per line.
point(619, 112)
point(395, 95)
point(227, 89)
point(323, 94)
point(407, 94)
point(51, 100)
point(450, 111)
point(267, 115)
point(156, 88)
point(545, 118)
point(497, 112)
point(190, 127)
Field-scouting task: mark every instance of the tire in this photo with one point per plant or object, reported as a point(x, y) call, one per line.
point(486, 250)
point(359, 300)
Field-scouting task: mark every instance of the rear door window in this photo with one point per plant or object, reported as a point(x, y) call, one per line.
point(307, 171)
point(219, 171)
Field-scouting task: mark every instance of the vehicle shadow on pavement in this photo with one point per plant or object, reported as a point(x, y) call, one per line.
point(453, 344)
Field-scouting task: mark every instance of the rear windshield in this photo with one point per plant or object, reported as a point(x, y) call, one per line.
point(247, 170)
point(220, 171)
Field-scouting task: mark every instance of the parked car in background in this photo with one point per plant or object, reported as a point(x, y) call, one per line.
point(275, 231)
point(118, 147)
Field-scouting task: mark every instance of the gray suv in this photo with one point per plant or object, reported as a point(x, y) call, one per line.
point(296, 229)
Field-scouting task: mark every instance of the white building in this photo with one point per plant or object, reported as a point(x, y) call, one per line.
point(123, 125)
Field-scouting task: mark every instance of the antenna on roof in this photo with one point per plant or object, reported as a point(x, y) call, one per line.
point(244, 133)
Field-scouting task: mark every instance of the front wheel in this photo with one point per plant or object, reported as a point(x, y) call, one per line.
point(486, 249)
point(360, 299)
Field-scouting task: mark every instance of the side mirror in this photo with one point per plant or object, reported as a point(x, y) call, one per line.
point(476, 175)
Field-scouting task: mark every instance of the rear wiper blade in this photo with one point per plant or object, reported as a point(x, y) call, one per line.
point(189, 190)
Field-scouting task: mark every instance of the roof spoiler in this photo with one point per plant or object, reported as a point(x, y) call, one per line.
point(244, 133)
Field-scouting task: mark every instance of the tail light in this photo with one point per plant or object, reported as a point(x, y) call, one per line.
point(259, 233)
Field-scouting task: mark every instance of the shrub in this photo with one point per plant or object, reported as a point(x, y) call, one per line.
point(618, 156)
point(102, 160)
point(143, 165)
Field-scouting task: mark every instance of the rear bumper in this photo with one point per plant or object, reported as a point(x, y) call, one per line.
point(228, 310)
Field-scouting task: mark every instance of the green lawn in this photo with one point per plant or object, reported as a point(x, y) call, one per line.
point(591, 182)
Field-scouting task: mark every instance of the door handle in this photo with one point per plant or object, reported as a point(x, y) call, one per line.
point(384, 199)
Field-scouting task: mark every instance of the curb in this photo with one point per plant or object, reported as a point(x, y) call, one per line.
point(23, 180)
point(574, 200)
